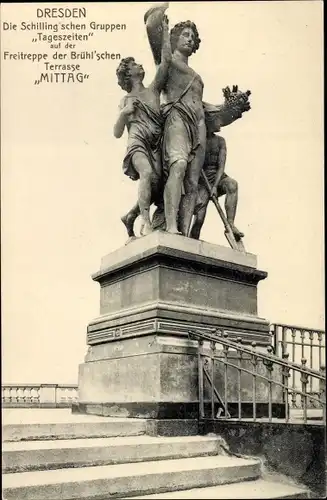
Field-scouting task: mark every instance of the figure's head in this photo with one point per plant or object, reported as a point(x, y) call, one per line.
point(212, 122)
point(185, 37)
point(128, 72)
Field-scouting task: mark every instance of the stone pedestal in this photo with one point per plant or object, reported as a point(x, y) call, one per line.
point(140, 362)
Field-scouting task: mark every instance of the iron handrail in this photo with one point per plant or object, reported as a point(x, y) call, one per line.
point(263, 377)
point(237, 345)
point(295, 327)
point(268, 360)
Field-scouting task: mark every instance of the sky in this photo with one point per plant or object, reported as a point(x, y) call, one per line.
point(63, 190)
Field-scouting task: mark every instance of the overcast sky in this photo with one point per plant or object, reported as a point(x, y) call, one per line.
point(63, 190)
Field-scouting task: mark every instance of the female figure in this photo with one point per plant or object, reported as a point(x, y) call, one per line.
point(140, 113)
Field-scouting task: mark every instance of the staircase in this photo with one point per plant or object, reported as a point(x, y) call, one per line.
point(86, 457)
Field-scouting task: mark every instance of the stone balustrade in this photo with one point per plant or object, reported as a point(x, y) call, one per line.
point(38, 395)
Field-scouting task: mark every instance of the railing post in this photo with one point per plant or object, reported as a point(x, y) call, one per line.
point(286, 375)
point(302, 335)
point(254, 361)
point(322, 391)
point(293, 374)
point(304, 397)
point(270, 366)
point(284, 341)
point(311, 355)
point(274, 334)
point(239, 355)
point(319, 349)
point(212, 349)
point(200, 380)
point(225, 351)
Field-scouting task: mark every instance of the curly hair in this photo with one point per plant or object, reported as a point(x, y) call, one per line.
point(124, 75)
point(177, 30)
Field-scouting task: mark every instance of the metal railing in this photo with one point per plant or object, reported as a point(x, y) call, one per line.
point(300, 343)
point(38, 395)
point(238, 381)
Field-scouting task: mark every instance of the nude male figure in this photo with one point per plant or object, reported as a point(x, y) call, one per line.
point(184, 136)
point(140, 114)
point(222, 184)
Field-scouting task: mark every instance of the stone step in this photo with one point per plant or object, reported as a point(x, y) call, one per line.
point(43, 455)
point(86, 427)
point(126, 480)
point(259, 488)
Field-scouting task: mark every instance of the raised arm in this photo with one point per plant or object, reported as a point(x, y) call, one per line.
point(153, 20)
point(228, 115)
point(162, 70)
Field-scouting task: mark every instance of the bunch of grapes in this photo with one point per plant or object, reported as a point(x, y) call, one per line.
point(236, 100)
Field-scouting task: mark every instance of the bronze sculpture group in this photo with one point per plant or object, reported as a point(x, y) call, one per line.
point(173, 148)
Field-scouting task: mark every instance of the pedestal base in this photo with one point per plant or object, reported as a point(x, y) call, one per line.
point(156, 377)
point(140, 362)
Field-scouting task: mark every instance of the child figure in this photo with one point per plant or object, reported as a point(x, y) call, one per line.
point(140, 114)
point(214, 168)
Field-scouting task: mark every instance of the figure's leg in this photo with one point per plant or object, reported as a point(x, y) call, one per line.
point(229, 187)
point(191, 182)
point(144, 169)
point(176, 151)
point(158, 219)
point(129, 219)
point(173, 193)
point(200, 212)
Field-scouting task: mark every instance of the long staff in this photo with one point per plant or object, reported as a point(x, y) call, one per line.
point(234, 243)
